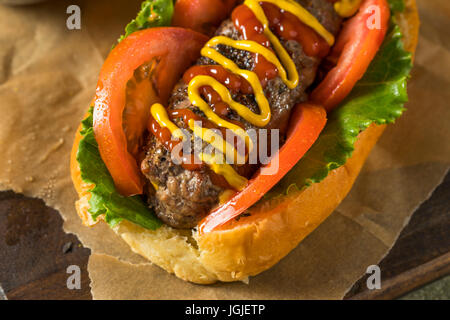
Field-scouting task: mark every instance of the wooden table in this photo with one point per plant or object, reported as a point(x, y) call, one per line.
point(35, 251)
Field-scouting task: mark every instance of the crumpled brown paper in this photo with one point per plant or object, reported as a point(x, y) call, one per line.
point(48, 76)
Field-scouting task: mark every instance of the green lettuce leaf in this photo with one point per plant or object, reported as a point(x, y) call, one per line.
point(377, 98)
point(154, 13)
point(396, 5)
point(104, 197)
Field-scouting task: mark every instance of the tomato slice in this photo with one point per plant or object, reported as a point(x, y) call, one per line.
point(201, 15)
point(167, 52)
point(355, 48)
point(307, 121)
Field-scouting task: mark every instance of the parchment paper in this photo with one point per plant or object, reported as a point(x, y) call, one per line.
point(48, 76)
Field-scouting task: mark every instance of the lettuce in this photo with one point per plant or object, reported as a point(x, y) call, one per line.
point(154, 13)
point(397, 5)
point(377, 98)
point(104, 197)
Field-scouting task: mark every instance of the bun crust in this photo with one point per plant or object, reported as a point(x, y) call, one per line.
point(253, 244)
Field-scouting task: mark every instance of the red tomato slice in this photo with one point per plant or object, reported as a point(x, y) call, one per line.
point(307, 121)
point(201, 15)
point(355, 48)
point(168, 52)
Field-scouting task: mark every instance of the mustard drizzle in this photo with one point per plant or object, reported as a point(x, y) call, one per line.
point(347, 8)
point(286, 70)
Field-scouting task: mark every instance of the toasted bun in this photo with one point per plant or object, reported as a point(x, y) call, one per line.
point(252, 244)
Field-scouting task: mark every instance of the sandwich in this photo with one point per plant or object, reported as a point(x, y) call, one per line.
point(223, 132)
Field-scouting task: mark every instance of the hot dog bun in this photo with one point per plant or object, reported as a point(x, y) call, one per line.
point(253, 244)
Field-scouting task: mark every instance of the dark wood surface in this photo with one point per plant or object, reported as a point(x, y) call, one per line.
point(421, 253)
point(35, 252)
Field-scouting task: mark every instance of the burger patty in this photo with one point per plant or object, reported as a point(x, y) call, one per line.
point(183, 197)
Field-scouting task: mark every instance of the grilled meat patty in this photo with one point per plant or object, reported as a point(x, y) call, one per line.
point(182, 196)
